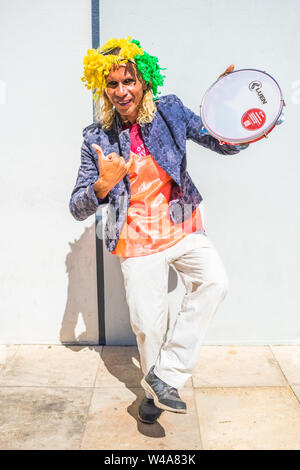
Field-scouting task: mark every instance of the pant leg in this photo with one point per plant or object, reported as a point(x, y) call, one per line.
point(146, 287)
point(205, 280)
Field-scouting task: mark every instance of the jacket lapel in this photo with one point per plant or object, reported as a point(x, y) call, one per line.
point(123, 137)
point(158, 140)
point(163, 150)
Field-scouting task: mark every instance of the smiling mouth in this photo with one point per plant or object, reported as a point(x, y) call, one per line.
point(124, 103)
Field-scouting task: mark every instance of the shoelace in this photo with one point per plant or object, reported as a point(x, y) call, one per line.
point(163, 387)
point(173, 391)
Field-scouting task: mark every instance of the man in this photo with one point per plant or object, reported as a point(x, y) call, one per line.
point(134, 159)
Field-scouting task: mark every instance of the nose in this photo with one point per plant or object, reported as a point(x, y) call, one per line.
point(121, 90)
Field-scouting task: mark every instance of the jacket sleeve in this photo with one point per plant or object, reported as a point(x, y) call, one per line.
point(84, 201)
point(194, 132)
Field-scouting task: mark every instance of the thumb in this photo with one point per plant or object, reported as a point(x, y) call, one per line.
point(100, 155)
point(98, 150)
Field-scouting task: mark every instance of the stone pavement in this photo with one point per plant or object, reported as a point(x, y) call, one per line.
point(86, 397)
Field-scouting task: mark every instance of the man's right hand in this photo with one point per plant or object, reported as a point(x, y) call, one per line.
point(112, 169)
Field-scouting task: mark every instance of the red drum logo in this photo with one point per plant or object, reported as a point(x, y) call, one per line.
point(253, 119)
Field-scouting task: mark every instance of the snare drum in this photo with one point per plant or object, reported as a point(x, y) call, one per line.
point(242, 107)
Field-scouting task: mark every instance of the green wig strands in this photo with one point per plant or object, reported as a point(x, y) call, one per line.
point(148, 66)
point(98, 62)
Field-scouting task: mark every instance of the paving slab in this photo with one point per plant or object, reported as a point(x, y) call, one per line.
point(42, 418)
point(296, 390)
point(288, 358)
point(43, 365)
point(237, 366)
point(258, 418)
point(47, 399)
point(112, 423)
point(7, 353)
point(120, 367)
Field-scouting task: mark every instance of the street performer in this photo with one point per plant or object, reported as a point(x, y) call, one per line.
point(134, 158)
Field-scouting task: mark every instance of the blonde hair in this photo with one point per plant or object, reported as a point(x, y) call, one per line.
point(105, 111)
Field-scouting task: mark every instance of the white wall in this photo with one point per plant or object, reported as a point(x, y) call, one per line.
point(48, 268)
point(251, 200)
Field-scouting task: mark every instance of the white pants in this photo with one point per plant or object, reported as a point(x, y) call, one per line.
point(146, 285)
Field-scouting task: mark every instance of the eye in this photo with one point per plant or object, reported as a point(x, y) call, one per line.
point(112, 84)
point(128, 80)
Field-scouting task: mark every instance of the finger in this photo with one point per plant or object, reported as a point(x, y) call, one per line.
point(114, 158)
point(124, 167)
point(230, 68)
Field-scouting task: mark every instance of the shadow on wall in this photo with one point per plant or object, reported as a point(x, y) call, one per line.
point(117, 319)
point(80, 320)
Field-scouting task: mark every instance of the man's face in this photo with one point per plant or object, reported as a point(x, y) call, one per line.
point(125, 91)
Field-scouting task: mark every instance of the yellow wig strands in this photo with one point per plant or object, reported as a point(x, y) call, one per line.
point(98, 62)
point(97, 65)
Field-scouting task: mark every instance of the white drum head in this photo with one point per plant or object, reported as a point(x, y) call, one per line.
point(241, 106)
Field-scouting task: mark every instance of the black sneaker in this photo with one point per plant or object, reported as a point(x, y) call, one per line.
point(165, 396)
point(148, 412)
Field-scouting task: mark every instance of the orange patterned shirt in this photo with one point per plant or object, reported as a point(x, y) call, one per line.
point(148, 227)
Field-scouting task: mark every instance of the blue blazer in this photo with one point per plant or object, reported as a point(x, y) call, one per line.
point(165, 137)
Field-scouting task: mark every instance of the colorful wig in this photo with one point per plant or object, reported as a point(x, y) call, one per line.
point(98, 62)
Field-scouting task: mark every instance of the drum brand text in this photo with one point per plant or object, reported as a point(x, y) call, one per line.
point(256, 86)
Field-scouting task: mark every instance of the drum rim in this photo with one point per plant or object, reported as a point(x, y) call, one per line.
point(251, 139)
